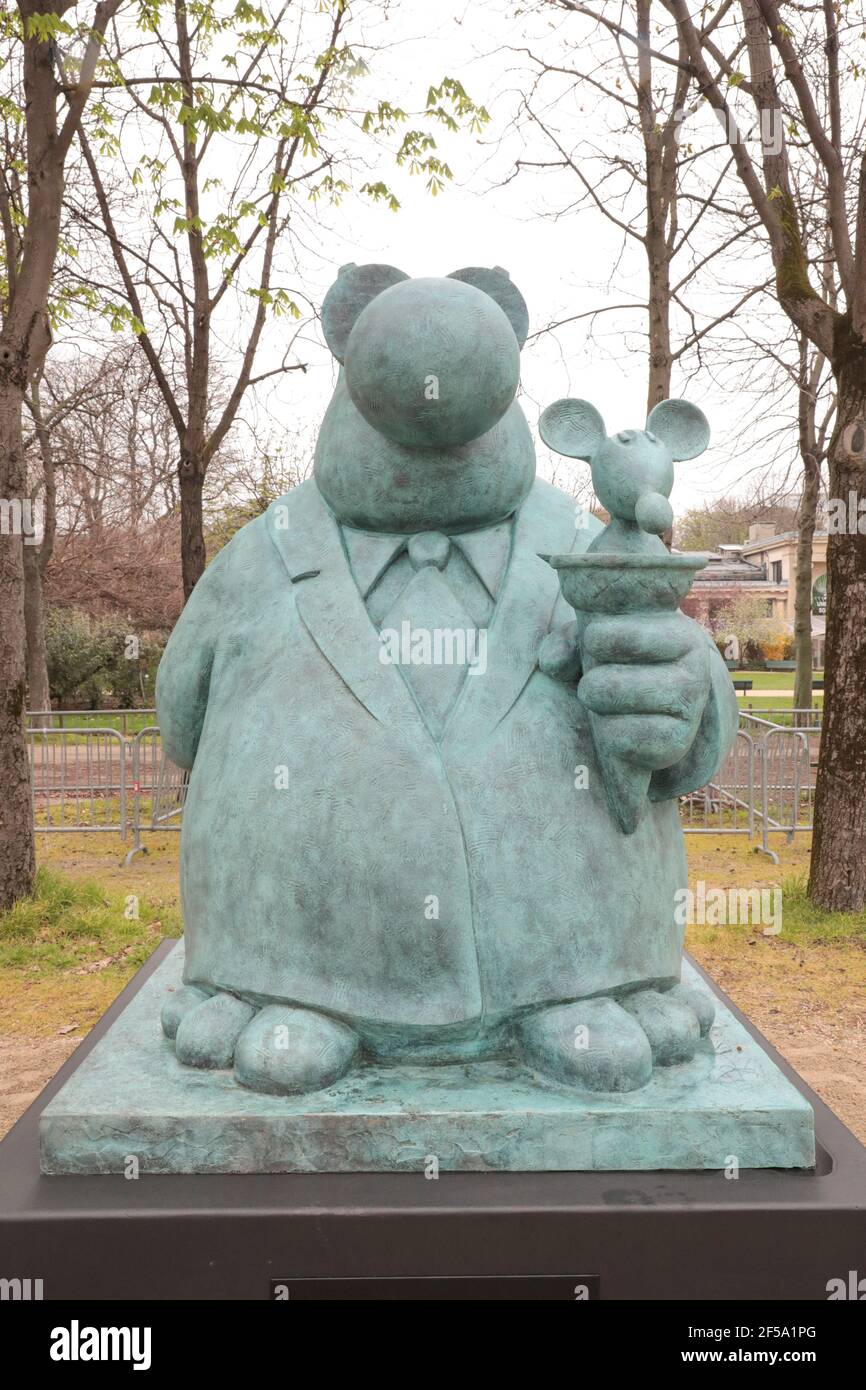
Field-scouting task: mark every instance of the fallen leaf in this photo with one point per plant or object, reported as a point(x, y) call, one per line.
point(95, 965)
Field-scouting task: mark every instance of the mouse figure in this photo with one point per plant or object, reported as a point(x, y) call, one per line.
point(397, 844)
point(627, 570)
point(632, 472)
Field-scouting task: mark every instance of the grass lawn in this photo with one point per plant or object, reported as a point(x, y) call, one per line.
point(128, 723)
point(773, 680)
point(782, 705)
point(769, 692)
point(67, 953)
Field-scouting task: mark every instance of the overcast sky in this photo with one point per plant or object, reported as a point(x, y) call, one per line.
point(567, 265)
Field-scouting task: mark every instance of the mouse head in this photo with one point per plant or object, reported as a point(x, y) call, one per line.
point(423, 431)
point(632, 472)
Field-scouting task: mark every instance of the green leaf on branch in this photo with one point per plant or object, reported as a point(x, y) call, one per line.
point(380, 192)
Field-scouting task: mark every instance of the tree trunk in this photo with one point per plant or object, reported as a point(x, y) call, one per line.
point(838, 874)
point(803, 592)
point(809, 382)
point(660, 359)
point(192, 550)
point(24, 341)
point(36, 560)
point(17, 853)
point(660, 206)
point(38, 693)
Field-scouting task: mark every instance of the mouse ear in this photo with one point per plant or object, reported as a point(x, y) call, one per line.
point(573, 428)
point(680, 425)
point(499, 285)
point(351, 292)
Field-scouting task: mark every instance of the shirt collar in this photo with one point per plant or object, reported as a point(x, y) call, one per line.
point(370, 553)
point(487, 551)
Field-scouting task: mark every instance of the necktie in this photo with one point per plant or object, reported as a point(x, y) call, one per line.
point(429, 626)
point(429, 548)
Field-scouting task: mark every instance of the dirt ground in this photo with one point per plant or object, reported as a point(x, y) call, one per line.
point(26, 1065)
point(807, 996)
point(812, 1009)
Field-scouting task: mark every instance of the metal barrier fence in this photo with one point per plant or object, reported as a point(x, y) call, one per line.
point(93, 778)
point(156, 774)
point(787, 783)
point(88, 778)
point(809, 720)
point(67, 719)
point(766, 783)
point(79, 779)
point(725, 806)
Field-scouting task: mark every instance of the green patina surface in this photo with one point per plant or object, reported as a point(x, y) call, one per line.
point(472, 860)
point(313, 887)
point(132, 1097)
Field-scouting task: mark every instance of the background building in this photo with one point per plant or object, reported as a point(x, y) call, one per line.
point(765, 564)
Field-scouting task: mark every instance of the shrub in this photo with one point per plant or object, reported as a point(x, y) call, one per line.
point(760, 635)
point(774, 649)
point(91, 660)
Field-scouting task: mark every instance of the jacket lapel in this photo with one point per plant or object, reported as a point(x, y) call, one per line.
point(331, 608)
point(308, 540)
point(521, 619)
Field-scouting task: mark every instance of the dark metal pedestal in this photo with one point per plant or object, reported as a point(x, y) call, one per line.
point(768, 1234)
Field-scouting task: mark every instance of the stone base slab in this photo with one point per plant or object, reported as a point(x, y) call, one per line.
point(131, 1098)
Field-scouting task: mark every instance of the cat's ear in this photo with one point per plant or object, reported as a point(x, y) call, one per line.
point(354, 288)
point(682, 427)
point(573, 428)
point(498, 284)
